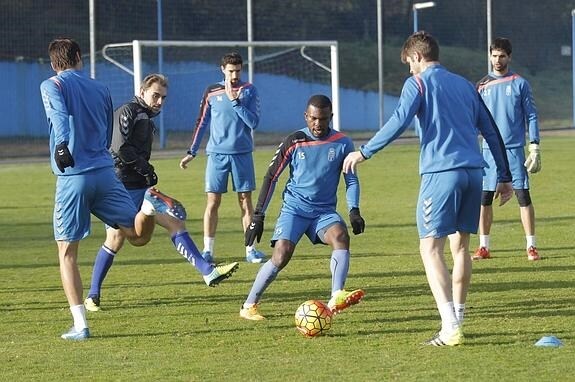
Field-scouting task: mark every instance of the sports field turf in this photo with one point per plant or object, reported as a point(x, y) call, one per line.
point(160, 322)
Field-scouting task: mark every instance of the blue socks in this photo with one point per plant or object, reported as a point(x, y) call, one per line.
point(102, 264)
point(186, 247)
point(267, 273)
point(339, 267)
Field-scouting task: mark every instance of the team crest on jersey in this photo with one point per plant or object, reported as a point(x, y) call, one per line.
point(508, 90)
point(331, 154)
point(219, 98)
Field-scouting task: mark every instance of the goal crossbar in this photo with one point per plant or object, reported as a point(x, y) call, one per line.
point(137, 59)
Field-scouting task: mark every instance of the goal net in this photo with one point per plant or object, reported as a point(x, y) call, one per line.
point(286, 74)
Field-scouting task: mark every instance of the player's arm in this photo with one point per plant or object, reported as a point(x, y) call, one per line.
point(58, 121)
point(281, 159)
point(533, 162)
point(202, 123)
point(248, 107)
point(490, 132)
point(407, 107)
point(352, 192)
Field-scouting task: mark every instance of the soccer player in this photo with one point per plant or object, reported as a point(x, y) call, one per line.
point(450, 112)
point(131, 149)
point(508, 97)
point(231, 110)
point(79, 112)
point(315, 156)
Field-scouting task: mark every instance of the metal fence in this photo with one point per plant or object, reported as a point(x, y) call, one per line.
point(540, 31)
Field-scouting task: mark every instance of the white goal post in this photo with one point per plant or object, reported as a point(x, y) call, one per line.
point(137, 46)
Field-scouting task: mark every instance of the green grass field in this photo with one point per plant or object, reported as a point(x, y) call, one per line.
point(161, 323)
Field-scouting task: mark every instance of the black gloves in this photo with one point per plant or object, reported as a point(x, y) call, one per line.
point(62, 157)
point(151, 177)
point(255, 229)
point(145, 169)
point(357, 222)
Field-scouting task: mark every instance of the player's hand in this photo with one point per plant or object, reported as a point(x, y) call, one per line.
point(230, 91)
point(357, 222)
point(151, 177)
point(533, 162)
point(504, 192)
point(351, 160)
point(62, 157)
point(255, 229)
point(185, 160)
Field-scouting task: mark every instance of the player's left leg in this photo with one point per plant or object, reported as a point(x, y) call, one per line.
point(72, 283)
point(244, 182)
point(334, 232)
point(528, 221)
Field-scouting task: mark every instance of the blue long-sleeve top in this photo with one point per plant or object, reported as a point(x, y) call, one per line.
point(79, 111)
point(315, 166)
point(450, 114)
point(510, 100)
point(230, 122)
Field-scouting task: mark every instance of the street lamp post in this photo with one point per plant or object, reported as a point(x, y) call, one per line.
point(418, 6)
point(573, 59)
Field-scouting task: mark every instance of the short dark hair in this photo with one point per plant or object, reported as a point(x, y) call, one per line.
point(232, 58)
point(320, 101)
point(152, 79)
point(501, 43)
point(64, 53)
point(422, 43)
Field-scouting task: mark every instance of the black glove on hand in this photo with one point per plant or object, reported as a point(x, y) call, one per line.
point(357, 222)
point(145, 169)
point(62, 157)
point(151, 177)
point(255, 229)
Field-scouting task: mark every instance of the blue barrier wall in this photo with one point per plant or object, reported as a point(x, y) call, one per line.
point(283, 98)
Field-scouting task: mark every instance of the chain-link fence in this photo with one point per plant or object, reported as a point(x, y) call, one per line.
point(540, 32)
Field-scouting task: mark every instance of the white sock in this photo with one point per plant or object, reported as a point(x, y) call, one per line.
point(459, 312)
point(249, 248)
point(448, 320)
point(79, 316)
point(147, 208)
point(209, 244)
point(530, 241)
point(484, 241)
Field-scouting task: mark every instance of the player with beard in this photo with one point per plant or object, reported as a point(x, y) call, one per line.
point(315, 157)
point(508, 97)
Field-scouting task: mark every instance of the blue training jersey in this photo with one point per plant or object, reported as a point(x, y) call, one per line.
point(450, 114)
point(230, 123)
point(79, 112)
point(315, 168)
point(510, 101)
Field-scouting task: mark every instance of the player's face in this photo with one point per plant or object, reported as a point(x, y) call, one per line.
point(499, 61)
point(154, 96)
point(414, 64)
point(318, 120)
point(232, 73)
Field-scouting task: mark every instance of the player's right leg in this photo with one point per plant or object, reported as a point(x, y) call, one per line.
point(289, 230)
point(213, 202)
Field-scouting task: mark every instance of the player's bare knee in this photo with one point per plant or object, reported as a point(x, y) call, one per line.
point(487, 198)
point(523, 197)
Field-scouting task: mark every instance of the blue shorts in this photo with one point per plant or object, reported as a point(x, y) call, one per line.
point(98, 192)
point(137, 195)
point(516, 157)
point(449, 202)
point(219, 166)
point(291, 226)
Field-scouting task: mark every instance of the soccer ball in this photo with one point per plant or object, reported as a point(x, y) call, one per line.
point(312, 318)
